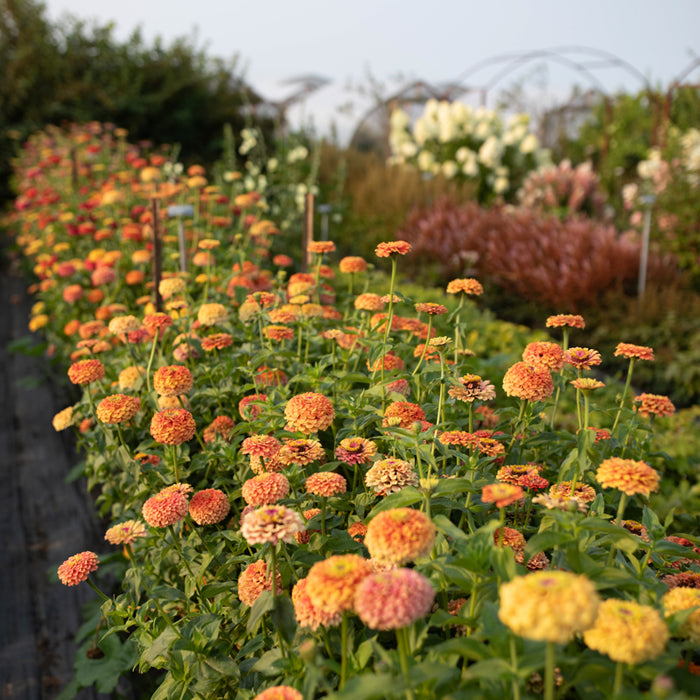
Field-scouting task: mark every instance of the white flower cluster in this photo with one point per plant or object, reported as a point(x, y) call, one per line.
point(690, 143)
point(456, 141)
point(250, 141)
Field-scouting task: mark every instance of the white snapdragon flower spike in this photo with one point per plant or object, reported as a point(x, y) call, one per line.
point(491, 151)
point(529, 144)
point(399, 120)
point(449, 169)
point(425, 161)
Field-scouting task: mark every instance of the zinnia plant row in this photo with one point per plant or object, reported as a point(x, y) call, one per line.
point(311, 489)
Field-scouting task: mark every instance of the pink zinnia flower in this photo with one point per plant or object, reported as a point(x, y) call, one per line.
point(265, 489)
point(326, 484)
point(393, 599)
point(209, 506)
point(77, 568)
point(167, 507)
point(271, 524)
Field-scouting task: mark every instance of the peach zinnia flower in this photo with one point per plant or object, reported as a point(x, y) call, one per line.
point(172, 380)
point(502, 495)
point(221, 426)
point(209, 506)
point(654, 405)
point(253, 580)
point(681, 598)
point(431, 308)
point(467, 285)
point(77, 568)
point(122, 325)
point(211, 314)
point(355, 450)
point(278, 332)
point(125, 533)
point(331, 583)
point(389, 600)
point(352, 263)
point(627, 475)
point(390, 475)
point(544, 354)
point(117, 408)
point(528, 382)
point(387, 249)
point(129, 376)
point(582, 358)
point(473, 388)
point(399, 536)
point(279, 692)
point(326, 484)
point(86, 372)
point(157, 323)
point(639, 352)
point(265, 489)
point(390, 361)
point(582, 492)
point(300, 452)
point(587, 384)
point(63, 419)
point(403, 413)
point(308, 413)
point(173, 426)
point(271, 524)
point(309, 615)
point(167, 507)
point(261, 446)
point(570, 320)
point(369, 302)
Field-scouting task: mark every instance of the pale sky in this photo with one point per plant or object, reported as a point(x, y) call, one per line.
point(438, 41)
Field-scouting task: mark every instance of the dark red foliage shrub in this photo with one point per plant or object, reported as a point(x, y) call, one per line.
point(563, 264)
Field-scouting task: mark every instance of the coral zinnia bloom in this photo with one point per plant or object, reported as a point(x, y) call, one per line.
point(654, 405)
point(211, 314)
point(502, 495)
point(222, 426)
point(250, 407)
point(209, 506)
point(320, 247)
point(390, 475)
point(467, 285)
point(582, 358)
point(86, 371)
point(639, 352)
point(157, 323)
point(582, 492)
point(403, 413)
point(549, 606)
point(627, 632)
point(570, 320)
point(509, 537)
point(271, 524)
point(125, 533)
point(326, 484)
point(167, 507)
point(682, 598)
point(587, 384)
point(400, 535)
point(278, 333)
point(512, 473)
point(528, 382)
point(300, 452)
point(308, 413)
point(77, 568)
point(309, 615)
point(172, 380)
point(431, 308)
point(265, 489)
point(279, 692)
point(121, 325)
point(390, 362)
point(261, 446)
point(387, 249)
point(117, 408)
point(173, 426)
point(253, 580)
point(129, 376)
point(686, 579)
point(544, 354)
point(269, 377)
point(389, 600)
point(627, 475)
point(217, 341)
point(352, 263)
point(355, 450)
point(331, 583)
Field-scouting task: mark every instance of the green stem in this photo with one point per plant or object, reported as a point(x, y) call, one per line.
point(96, 589)
point(390, 316)
point(323, 516)
point(515, 685)
point(425, 345)
point(343, 650)
point(402, 643)
point(619, 676)
point(173, 457)
point(618, 521)
point(150, 363)
point(624, 394)
point(549, 656)
point(458, 334)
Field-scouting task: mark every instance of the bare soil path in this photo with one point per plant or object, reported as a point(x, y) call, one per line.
point(43, 520)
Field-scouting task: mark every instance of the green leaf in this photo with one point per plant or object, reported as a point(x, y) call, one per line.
point(543, 541)
point(405, 497)
point(446, 526)
point(156, 653)
point(263, 604)
point(282, 617)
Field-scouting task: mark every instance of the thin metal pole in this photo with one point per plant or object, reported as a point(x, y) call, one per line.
point(157, 253)
point(644, 255)
point(308, 234)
